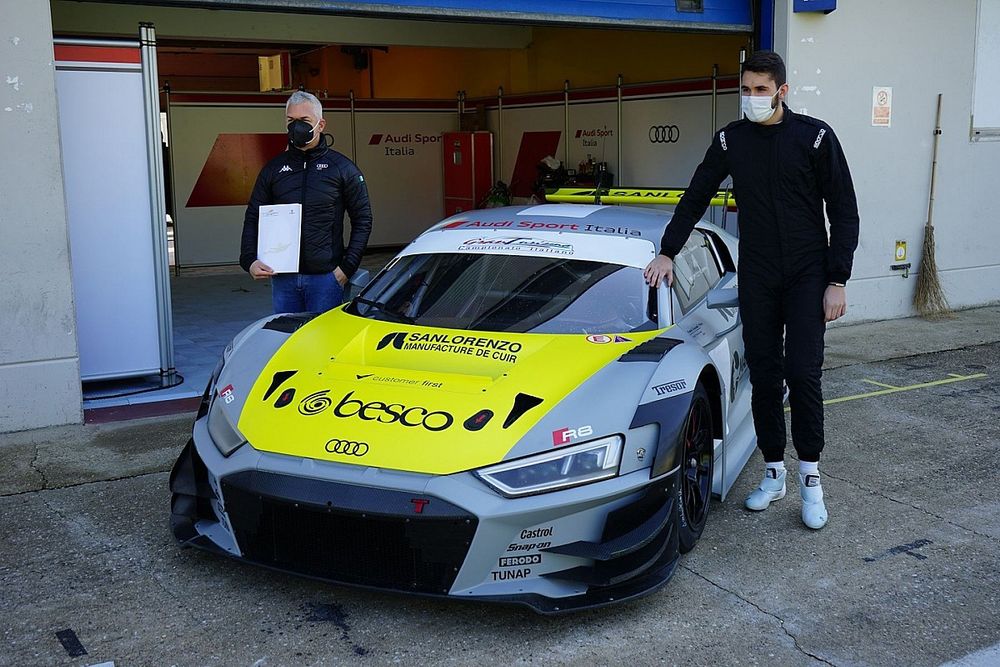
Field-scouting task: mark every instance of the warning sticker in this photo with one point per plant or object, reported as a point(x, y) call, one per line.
point(881, 106)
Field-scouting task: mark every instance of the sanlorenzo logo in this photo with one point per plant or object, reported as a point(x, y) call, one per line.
point(664, 134)
point(347, 447)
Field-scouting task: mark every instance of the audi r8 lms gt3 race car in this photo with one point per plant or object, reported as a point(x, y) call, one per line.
point(506, 412)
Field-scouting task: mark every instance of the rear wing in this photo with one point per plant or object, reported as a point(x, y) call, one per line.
point(626, 195)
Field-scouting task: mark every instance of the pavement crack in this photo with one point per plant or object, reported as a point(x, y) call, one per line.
point(781, 621)
point(874, 492)
point(115, 551)
point(39, 471)
point(78, 484)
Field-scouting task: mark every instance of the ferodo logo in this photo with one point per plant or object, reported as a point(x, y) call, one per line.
point(385, 413)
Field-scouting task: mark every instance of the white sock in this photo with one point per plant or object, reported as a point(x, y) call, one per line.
point(809, 469)
point(777, 468)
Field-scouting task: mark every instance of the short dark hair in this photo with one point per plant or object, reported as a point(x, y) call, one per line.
point(767, 62)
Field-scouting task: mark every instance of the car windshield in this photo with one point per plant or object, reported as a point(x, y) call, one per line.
point(523, 294)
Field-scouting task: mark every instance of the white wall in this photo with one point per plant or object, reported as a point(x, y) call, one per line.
point(920, 48)
point(39, 366)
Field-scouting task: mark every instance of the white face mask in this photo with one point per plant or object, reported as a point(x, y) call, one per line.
point(759, 108)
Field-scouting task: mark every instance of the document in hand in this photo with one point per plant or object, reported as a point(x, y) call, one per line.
point(278, 233)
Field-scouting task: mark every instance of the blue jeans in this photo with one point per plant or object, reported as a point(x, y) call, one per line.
point(305, 292)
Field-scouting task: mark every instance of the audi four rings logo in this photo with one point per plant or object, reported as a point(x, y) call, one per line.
point(664, 134)
point(348, 447)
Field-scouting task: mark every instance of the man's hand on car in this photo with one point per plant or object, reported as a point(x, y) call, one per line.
point(660, 268)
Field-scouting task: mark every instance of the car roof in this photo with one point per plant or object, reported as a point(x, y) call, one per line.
point(587, 219)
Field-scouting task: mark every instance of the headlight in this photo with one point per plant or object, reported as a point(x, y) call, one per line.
point(563, 468)
point(226, 437)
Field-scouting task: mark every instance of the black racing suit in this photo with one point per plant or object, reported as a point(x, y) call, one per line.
point(326, 183)
point(782, 174)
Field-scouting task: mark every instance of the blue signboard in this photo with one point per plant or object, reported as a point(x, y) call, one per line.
point(825, 6)
point(716, 15)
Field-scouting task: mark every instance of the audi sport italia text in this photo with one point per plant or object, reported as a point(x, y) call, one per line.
point(505, 413)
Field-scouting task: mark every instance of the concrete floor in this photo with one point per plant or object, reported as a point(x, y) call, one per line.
point(906, 573)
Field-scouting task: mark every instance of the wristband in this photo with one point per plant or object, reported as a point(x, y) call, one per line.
point(833, 284)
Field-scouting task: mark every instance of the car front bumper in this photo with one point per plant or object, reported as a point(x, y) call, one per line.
point(447, 535)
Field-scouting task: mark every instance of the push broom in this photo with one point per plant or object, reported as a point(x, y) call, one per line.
point(929, 298)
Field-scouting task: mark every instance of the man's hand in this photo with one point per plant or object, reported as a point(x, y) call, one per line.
point(259, 270)
point(834, 302)
point(660, 268)
point(340, 276)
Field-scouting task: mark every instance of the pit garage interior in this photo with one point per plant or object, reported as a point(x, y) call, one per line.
point(627, 98)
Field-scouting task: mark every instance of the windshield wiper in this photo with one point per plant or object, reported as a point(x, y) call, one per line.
point(382, 307)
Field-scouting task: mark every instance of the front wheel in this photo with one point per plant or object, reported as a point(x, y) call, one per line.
point(694, 490)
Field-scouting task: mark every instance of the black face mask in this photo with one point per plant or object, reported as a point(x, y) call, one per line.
point(300, 133)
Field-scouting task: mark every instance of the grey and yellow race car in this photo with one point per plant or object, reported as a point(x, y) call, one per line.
point(505, 412)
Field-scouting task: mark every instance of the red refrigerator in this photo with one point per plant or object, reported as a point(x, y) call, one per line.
point(468, 170)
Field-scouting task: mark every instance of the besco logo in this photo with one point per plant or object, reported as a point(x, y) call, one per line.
point(664, 134)
point(347, 447)
point(390, 413)
point(385, 413)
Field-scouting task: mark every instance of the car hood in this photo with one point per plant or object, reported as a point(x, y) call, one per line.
point(372, 393)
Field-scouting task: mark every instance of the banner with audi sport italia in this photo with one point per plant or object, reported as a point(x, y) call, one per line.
point(666, 129)
point(219, 142)
point(401, 156)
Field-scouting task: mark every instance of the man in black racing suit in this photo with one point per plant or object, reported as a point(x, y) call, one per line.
point(792, 277)
point(327, 184)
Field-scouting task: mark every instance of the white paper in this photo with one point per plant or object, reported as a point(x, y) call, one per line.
point(278, 233)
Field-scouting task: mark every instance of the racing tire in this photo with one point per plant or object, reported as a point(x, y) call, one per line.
point(694, 489)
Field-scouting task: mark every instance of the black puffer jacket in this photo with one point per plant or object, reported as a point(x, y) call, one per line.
point(326, 183)
point(782, 175)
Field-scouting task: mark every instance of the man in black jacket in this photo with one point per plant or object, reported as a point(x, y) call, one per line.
point(784, 167)
point(326, 183)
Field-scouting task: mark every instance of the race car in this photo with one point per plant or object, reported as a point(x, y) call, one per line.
point(506, 412)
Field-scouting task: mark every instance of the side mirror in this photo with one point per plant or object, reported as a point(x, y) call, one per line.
point(723, 296)
point(358, 282)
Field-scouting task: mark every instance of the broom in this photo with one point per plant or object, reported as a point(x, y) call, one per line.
point(929, 298)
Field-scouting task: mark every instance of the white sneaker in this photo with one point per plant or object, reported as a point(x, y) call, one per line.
point(771, 489)
point(813, 509)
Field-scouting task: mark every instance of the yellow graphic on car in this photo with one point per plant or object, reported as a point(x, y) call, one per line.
point(419, 399)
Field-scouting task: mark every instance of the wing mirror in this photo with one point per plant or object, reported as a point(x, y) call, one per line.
point(723, 296)
point(358, 282)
